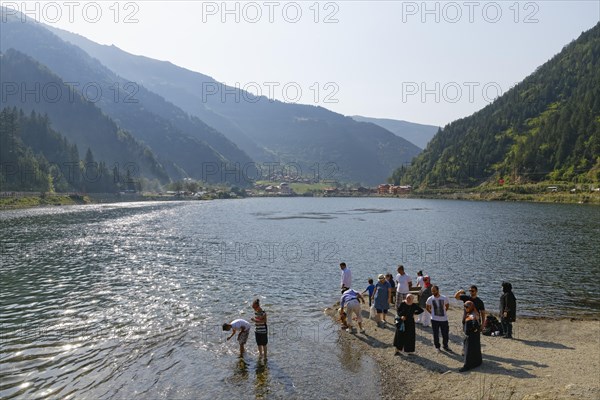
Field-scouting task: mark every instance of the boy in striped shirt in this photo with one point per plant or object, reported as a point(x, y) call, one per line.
point(260, 333)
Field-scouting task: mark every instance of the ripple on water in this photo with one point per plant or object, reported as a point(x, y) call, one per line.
point(126, 300)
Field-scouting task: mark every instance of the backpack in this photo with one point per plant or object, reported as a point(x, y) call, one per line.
point(491, 325)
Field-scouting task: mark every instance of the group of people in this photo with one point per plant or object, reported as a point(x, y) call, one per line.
point(431, 310)
point(242, 328)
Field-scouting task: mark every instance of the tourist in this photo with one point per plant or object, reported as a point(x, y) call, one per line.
point(260, 330)
point(243, 327)
point(370, 289)
point(351, 300)
point(472, 343)
point(425, 317)
point(404, 339)
point(382, 297)
point(420, 283)
point(437, 305)
point(508, 309)
point(477, 302)
point(346, 281)
point(390, 279)
point(404, 283)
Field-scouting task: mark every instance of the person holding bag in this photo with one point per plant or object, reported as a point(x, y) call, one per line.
point(404, 339)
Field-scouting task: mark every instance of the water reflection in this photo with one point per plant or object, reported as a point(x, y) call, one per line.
point(349, 355)
point(240, 371)
point(261, 383)
point(130, 300)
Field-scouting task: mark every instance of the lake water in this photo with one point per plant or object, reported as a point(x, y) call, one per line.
point(126, 300)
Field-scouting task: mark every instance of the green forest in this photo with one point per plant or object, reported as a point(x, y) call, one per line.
point(546, 128)
point(35, 158)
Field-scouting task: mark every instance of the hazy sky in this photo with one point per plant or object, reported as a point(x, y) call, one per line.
point(427, 62)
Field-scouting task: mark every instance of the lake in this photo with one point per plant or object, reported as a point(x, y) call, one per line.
point(127, 300)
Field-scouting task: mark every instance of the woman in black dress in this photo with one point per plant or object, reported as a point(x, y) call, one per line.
point(404, 339)
point(472, 344)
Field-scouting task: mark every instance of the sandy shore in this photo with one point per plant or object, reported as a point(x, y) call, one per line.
point(547, 359)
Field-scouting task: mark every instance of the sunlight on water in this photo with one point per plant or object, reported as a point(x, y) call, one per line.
point(117, 301)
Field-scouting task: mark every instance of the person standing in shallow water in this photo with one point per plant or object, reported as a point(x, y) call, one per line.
point(260, 332)
point(404, 339)
point(472, 343)
point(508, 309)
point(243, 327)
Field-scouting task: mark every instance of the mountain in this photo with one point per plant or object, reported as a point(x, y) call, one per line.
point(177, 85)
point(34, 157)
point(185, 144)
point(30, 86)
point(311, 138)
point(545, 128)
point(417, 134)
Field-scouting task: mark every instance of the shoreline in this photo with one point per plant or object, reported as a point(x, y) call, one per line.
point(68, 200)
point(549, 358)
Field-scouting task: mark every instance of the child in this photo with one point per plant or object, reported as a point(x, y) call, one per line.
point(243, 326)
point(370, 289)
point(390, 279)
point(260, 333)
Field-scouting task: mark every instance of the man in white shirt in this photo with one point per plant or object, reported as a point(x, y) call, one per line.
point(403, 286)
point(243, 327)
point(438, 305)
point(346, 276)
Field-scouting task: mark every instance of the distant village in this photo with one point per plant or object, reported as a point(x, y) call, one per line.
point(286, 189)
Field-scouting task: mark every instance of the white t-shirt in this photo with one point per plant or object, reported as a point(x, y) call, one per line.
point(420, 282)
point(402, 286)
point(347, 278)
point(238, 324)
point(438, 307)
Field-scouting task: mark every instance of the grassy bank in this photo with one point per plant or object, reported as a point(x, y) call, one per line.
point(531, 193)
point(7, 203)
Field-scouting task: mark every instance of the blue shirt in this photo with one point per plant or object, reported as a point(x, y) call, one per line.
point(347, 296)
point(371, 289)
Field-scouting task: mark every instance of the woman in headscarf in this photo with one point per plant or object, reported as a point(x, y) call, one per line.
point(425, 317)
point(472, 344)
point(404, 339)
point(508, 309)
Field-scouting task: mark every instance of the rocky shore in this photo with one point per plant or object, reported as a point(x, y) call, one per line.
point(547, 359)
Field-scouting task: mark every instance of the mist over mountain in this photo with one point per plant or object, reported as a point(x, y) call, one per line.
point(418, 134)
point(180, 141)
point(69, 113)
point(309, 136)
